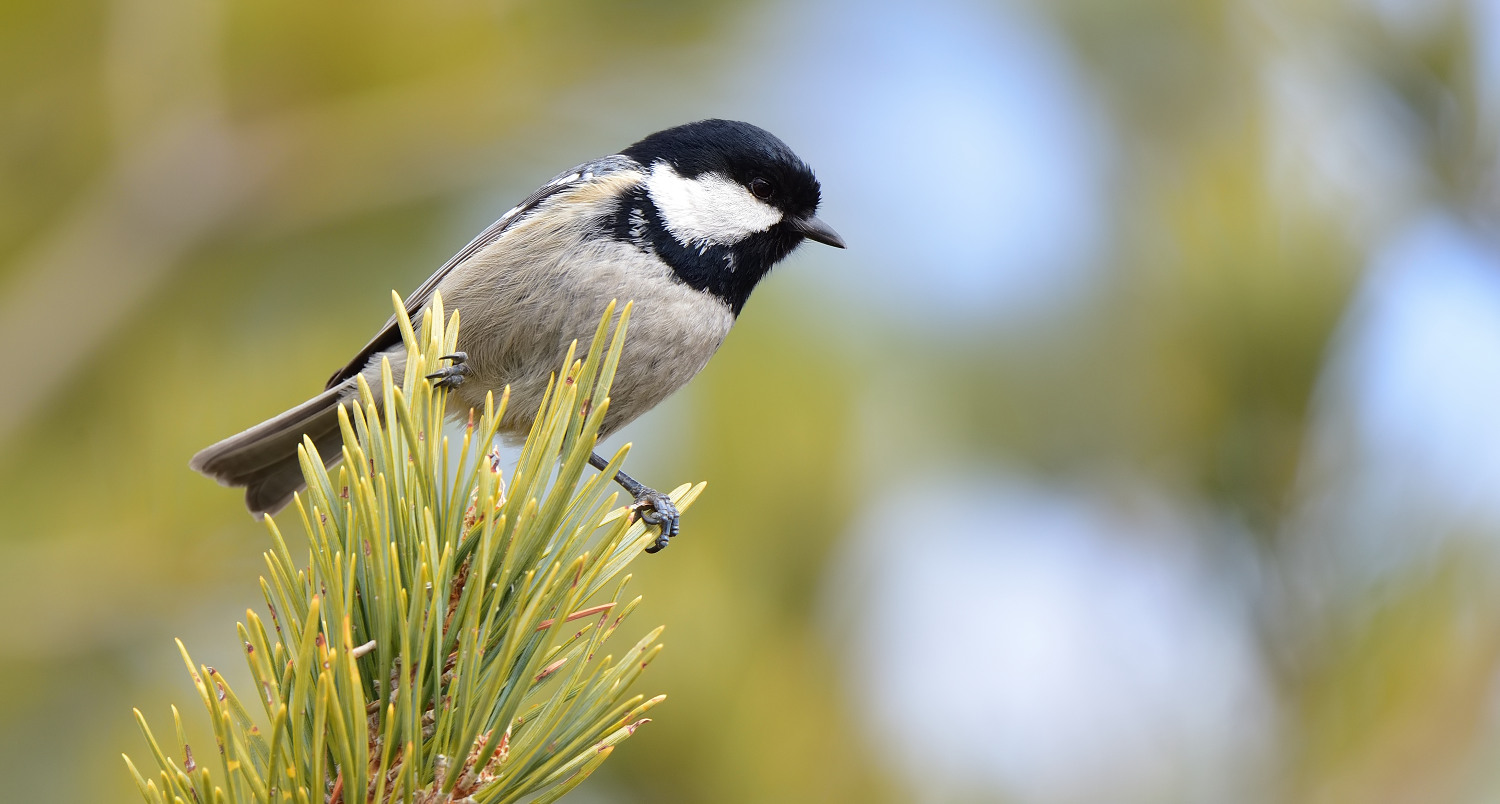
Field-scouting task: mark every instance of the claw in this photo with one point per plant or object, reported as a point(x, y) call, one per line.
point(452, 376)
point(655, 508)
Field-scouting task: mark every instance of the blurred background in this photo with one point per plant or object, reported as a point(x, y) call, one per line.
point(1144, 445)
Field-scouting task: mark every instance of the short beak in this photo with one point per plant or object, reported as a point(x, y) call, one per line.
point(814, 229)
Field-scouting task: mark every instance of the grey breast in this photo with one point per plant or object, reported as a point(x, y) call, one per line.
point(519, 313)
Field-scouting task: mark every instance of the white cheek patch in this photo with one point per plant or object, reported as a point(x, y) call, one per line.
point(709, 209)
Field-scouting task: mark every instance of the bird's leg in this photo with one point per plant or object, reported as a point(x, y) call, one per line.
point(454, 375)
point(653, 507)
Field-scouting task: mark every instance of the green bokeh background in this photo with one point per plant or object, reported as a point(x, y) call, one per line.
point(205, 203)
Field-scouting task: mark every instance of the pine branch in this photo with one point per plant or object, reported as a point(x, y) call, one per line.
point(443, 642)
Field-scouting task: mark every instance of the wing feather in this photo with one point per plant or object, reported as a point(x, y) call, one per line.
point(390, 334)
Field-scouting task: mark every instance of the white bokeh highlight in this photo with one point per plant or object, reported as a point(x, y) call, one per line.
point(1007, 638)
point(964, 158)
point(1405, 447)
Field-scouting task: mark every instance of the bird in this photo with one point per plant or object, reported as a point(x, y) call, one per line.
point(685, 223)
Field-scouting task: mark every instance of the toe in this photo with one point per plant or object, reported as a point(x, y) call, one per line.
point(657, 509)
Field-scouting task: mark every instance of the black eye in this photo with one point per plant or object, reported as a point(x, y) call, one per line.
point(761, 188)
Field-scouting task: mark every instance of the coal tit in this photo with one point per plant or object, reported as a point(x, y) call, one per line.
point(685, 223)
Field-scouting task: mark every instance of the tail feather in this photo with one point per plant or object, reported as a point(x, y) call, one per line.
point(263, 459)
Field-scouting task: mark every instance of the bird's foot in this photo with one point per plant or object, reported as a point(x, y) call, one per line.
point(655, 508)
point(452, 376)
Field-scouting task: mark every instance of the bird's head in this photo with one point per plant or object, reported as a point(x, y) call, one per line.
point(723, 202)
